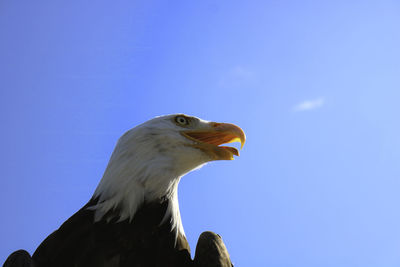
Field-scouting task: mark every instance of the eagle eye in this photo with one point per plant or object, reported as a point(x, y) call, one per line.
point(181, 120)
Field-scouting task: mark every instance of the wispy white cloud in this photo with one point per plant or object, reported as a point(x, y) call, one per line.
point(309, 104)
point(236, 77)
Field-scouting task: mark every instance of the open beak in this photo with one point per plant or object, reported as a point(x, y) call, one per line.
point(210, 139)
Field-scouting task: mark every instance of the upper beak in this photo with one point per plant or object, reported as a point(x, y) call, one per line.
point(210, 138)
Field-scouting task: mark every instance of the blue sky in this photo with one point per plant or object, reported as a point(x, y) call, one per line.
point(314, 84)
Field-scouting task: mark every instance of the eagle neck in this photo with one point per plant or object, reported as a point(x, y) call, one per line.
point(129, 192)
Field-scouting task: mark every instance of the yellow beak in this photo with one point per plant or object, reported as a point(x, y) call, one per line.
point(210, 138)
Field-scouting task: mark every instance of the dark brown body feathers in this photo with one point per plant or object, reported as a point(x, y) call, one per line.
point(142, 242)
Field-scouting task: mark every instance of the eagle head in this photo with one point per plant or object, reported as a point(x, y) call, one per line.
point(149, 160)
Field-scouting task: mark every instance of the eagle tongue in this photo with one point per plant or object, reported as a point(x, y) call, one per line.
point(231, 149)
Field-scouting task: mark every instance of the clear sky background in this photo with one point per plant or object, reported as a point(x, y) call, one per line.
point(314, 84)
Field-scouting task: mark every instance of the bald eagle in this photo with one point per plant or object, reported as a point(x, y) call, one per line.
point(133, 217)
